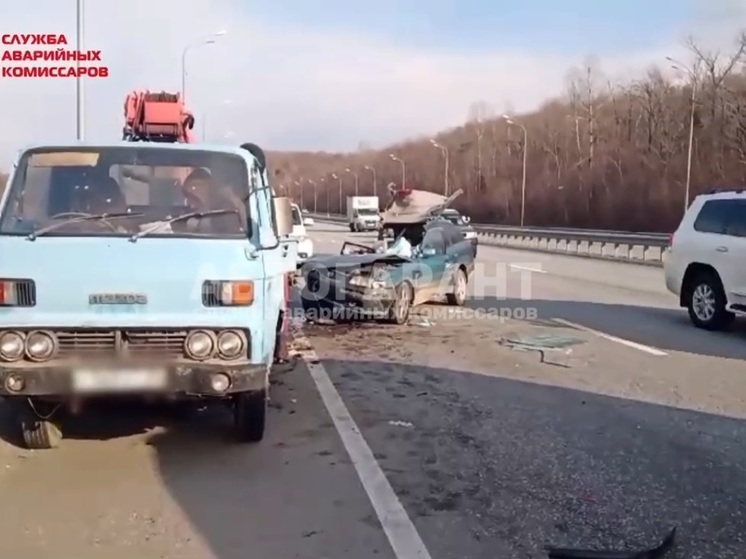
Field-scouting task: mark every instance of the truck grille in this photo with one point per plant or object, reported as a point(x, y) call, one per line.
point(102, 342)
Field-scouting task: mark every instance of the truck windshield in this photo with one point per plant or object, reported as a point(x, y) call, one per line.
point(53, 188)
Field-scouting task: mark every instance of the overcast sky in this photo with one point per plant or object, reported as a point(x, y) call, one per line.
point(291, 76)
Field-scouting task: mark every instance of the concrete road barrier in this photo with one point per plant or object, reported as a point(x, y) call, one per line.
point(640, 248)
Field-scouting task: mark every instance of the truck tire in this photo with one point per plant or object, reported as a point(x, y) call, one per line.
point(258, 154)
point(352, 227)
point(250, 416)
point(37, 433)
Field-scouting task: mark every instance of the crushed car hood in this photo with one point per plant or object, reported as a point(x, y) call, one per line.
point(337, 261)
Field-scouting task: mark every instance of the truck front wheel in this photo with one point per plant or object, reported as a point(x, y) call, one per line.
point(250, 415)
point(38, 430)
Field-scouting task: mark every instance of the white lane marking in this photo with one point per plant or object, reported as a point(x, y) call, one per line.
point(527, 269)
point(398, 527)
point(628, 343)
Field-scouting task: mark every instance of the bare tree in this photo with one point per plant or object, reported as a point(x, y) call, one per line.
point(604, 155)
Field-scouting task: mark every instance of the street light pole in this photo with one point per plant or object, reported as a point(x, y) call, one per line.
point(357, 181)
point(446, 157)
point(184, 55)
point(525, 153)
point(693, 101)
point(79, 92)
point(299, 186)
point(323, 180)
point(403, 170)
point(336, 176)
point(315, 209)
point(375, 181)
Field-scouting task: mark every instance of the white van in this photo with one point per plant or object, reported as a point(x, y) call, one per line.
point(305, 244)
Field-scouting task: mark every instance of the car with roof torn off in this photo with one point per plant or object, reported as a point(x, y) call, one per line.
point(428, 258)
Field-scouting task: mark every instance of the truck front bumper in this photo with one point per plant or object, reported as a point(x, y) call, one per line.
point(196, 379)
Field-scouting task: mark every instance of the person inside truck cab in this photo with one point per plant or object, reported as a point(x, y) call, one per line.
point(203, 194)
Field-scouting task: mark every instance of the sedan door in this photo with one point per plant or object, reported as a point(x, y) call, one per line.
point(431, 265)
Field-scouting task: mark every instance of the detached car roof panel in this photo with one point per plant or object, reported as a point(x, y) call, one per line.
point(415, 206)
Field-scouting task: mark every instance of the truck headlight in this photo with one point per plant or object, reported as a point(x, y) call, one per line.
point(230, 344)
point(470, 234)
point(40, 346)
point(199, 345)
point(12, 346)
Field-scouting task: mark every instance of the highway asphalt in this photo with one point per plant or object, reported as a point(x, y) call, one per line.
point(436, 439)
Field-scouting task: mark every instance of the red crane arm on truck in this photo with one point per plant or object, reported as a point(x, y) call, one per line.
point(157, 117)
point(163, 117)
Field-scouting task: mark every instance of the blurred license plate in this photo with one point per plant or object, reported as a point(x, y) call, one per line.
point(119, 379)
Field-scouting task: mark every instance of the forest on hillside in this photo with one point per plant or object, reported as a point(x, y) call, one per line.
point(605, 156)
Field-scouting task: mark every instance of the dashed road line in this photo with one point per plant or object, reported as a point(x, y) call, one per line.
point(640, 347)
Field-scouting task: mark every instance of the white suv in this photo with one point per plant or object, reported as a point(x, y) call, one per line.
point(706, 260)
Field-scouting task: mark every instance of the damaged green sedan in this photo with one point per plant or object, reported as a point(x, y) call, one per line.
point(429, 259)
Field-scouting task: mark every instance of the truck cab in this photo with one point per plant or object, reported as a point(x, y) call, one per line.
point(139, 286)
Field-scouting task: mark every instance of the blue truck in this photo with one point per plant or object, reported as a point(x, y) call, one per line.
point(119, 280)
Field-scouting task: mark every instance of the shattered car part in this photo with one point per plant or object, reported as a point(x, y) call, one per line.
point(654, 553)
point(541, 344)
point(363, 282)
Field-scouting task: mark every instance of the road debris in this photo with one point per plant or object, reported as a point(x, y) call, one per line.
point(401, 424)
point(416, 320)
point(653, 553)
point(541, 344)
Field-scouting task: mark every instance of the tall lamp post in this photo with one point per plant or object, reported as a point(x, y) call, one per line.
point(677, 66)
point(375, 181)
point(445, 156)
point(315, 208)
point(525, 152)
point(357, 180)
point(336, 176)
point(403, 169)
point(190, 46)
point(323, 180)
point(299, 186)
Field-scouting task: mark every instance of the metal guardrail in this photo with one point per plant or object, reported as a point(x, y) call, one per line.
point(640, 248)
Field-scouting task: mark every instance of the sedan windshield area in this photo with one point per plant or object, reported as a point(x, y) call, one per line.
point(124, 191)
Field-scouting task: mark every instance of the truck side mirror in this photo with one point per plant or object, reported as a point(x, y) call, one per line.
point(283, 213)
